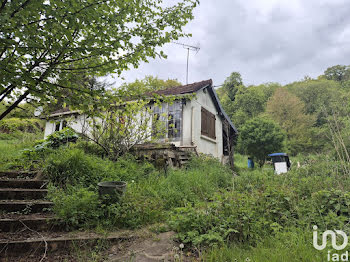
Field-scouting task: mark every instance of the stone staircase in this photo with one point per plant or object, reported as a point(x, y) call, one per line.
point(28, 229)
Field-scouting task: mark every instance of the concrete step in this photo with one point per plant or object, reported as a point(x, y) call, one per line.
point(21, 193)
point(38, 222)
point(17, 174)
point(24, 206)
point(23, 183)
point(50, 242)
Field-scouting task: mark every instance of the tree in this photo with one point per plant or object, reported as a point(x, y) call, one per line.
point(338, 73)
point(320, 97)
point(289, 112)
point(249, 103)
point(118, 125)
point(259, 137)
point(43, 43)
point(149, 83)
point(231, 85)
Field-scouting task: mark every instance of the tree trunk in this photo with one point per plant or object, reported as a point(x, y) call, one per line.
point(14, 105)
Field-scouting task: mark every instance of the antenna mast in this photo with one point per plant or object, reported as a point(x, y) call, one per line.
point(189, 48)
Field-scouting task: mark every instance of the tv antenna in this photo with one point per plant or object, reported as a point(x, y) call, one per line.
point(189, 48)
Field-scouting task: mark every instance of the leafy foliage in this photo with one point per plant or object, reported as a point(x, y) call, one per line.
point(148, 84)
point(46, 43)
point(231, 85)
point(76, 206)
point(304, 109)
point(260, 137)
point(291, 245)
point(289, 112)
point(264, 205)
point(338, 73)
point(149, 197)
point(27, 125)
point(74, 167)
point(62, 137)
point(53, 141)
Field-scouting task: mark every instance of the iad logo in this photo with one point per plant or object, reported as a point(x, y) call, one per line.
point(333, 239)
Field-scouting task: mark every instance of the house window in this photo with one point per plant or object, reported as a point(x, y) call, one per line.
point(64, 124)
point(208, 123)
point(60, 125)
point(170, 117)
point(57, 126)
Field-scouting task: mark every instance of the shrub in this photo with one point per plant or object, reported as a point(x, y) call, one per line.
point(74, 167)
point(198, 182)
point(129, 169)
point(77, 207)
point(263, 204)
point(53, 141)
point(90, 148)
point(138, 208)
point(28, 125)
point(260, 137)
point(292, 245)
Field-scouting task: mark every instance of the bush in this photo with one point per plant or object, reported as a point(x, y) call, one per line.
point(26, 125)
point(260, 137)
point(263, 204)
point(292, 245)
point(62, 137)
point(77, 207)
point(73, 167)
point(90, 148)
point(53, 141)
point(138, 208)
point(198, 182)
point(230, 217)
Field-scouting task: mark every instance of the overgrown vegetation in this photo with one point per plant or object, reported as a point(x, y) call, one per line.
point(302, 108)
point(150, 196)
point(218, 214)
point(222, 214)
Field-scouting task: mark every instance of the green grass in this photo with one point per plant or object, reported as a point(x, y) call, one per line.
point(241, 164)
point(10, 149)
point(241, 161)
point(291, 246)
point(252, 213)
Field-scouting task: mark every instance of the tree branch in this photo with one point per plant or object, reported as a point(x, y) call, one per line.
point(14, 105)
point(67, 14)
point(6, 92)
point(19, 8)
point(3, 5)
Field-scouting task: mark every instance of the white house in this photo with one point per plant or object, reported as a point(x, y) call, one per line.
point(200, 122)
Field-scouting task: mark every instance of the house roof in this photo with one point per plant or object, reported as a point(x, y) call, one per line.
point(63, 111)
point(278, 154)
point(186, 89)
point(179, 90)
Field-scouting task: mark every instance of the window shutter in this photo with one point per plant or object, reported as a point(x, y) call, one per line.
point(207, 123)
point(204, 120)
point(212, 126)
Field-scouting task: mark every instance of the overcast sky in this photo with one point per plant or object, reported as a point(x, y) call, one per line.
point(265, 40)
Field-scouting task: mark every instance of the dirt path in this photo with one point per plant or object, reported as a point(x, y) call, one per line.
point(160, 247)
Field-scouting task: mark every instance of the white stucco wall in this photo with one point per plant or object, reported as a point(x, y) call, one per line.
point(76, 122)
point(81, 124)
point(192, 126)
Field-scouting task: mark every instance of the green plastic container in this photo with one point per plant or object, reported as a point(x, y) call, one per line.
point(111, 189)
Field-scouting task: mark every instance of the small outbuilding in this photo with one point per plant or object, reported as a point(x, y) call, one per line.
point(281, 162)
